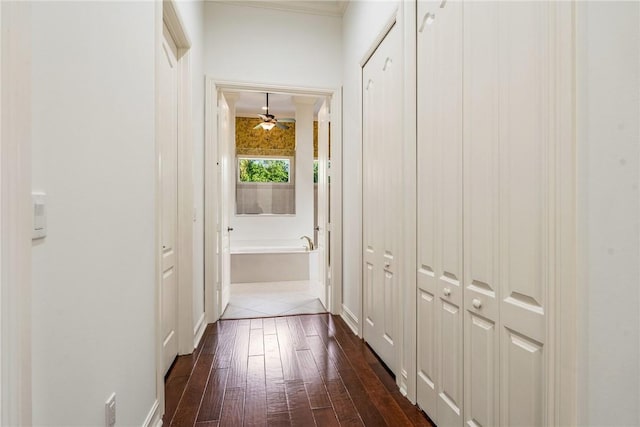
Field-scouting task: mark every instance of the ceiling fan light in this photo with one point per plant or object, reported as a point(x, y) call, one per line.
point(267, 125)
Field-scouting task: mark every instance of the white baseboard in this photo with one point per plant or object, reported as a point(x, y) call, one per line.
point(403, 382)
point(350, 319)
point(198, 331)
point(154, 417)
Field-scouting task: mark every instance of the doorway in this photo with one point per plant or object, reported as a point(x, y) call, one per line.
point(267, 241)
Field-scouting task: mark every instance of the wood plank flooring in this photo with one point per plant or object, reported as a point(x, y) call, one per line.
point(287, 371)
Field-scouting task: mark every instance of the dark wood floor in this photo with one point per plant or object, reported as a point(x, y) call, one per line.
point(287, 371)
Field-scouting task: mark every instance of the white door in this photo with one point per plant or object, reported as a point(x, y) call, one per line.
point(168, 82)
point(382, 205)
point(323, 201)
point(511, 241)
point(225, 181)
point(440, 267)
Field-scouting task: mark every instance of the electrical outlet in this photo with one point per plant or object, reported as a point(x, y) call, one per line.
point(110, 411)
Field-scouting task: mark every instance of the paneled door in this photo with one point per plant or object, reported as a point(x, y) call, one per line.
point(440, 276)
point(168, 82)
point(382, 205)
point(323, 201)
point(225, 180)
point(509, 202)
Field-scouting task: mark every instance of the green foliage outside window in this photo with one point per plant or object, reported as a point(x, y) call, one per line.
point(264, 170)
point(315, 171)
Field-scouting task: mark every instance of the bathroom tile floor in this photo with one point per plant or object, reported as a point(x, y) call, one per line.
point(250, 300)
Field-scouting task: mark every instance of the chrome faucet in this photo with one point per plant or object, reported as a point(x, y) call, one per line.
point(309, 241)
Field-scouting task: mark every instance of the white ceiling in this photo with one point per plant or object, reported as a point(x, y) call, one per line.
point(318, 7)
point(249, 104)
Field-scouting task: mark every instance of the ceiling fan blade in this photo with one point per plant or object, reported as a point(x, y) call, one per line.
point(263, 117)
point(258, 126)
point(288, 120)
point(281, 126)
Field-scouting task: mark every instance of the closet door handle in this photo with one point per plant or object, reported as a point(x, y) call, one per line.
point(229, 228)
point(446, 292)
point(477, 304)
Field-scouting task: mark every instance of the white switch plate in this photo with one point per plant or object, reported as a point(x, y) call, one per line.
point(110, 411)
point(39, 201)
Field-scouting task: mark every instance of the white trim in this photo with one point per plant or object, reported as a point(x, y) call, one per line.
point(408, 359)
point(213, 87)
point(306, 7)
point(172, 18)
point(391, 21)
point(210, 210)
point(229, 86)
point(15, 213)
point(154, 418)
point(336, 173)
point(565, 310)
point(351, 320)
point(158, 223)
point(185, 198)
point(198, 331)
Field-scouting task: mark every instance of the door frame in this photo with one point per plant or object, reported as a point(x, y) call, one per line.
point(15, 214)
point(213, 87)
point(166, 12)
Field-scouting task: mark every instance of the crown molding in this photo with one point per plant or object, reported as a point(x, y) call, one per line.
point(319, 7)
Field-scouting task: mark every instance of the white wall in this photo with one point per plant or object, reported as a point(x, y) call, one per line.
point(362, 22)
point(192, 14)
point(265, 46)
point(608, 111)
point(93, 154)
point(249, 44)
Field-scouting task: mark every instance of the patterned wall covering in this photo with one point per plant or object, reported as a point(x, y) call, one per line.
point(259, 142)
point(276, 142)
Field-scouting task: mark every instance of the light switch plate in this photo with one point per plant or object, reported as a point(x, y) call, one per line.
point(39, 201)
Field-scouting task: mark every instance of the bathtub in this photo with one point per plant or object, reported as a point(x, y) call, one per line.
point(273, 263)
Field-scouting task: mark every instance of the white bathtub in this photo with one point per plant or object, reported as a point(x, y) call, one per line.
point(275, 263)
point(267, 249)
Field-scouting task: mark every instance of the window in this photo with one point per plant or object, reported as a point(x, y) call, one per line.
point(264, 170)
point(265, 186)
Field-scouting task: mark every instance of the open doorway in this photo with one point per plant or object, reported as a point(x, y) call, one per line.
point(268, 160)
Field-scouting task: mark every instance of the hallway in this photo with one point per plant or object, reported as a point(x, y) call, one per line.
point(285, 371)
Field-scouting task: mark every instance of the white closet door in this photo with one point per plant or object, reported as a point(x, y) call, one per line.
point(481, 227)
point(509, 198)
point(382, 173)
point(526, 247)
point(440, 274)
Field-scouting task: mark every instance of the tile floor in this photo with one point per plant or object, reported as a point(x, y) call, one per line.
point(250, 300)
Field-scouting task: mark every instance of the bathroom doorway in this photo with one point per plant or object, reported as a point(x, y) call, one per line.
point(268, 244)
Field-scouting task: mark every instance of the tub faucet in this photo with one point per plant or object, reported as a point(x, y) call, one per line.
point(309, 241)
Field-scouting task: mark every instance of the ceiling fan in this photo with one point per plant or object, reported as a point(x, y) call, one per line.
point(269, 121)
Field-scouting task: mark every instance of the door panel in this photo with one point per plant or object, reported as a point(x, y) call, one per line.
point(382, 189)
point(481, 198)
point(440, 226)
point(168, 78)
point(226, 180)
point(525, 58)
point(323, 201)
point(522, 381)
point(481, 371)
point(427, 326)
